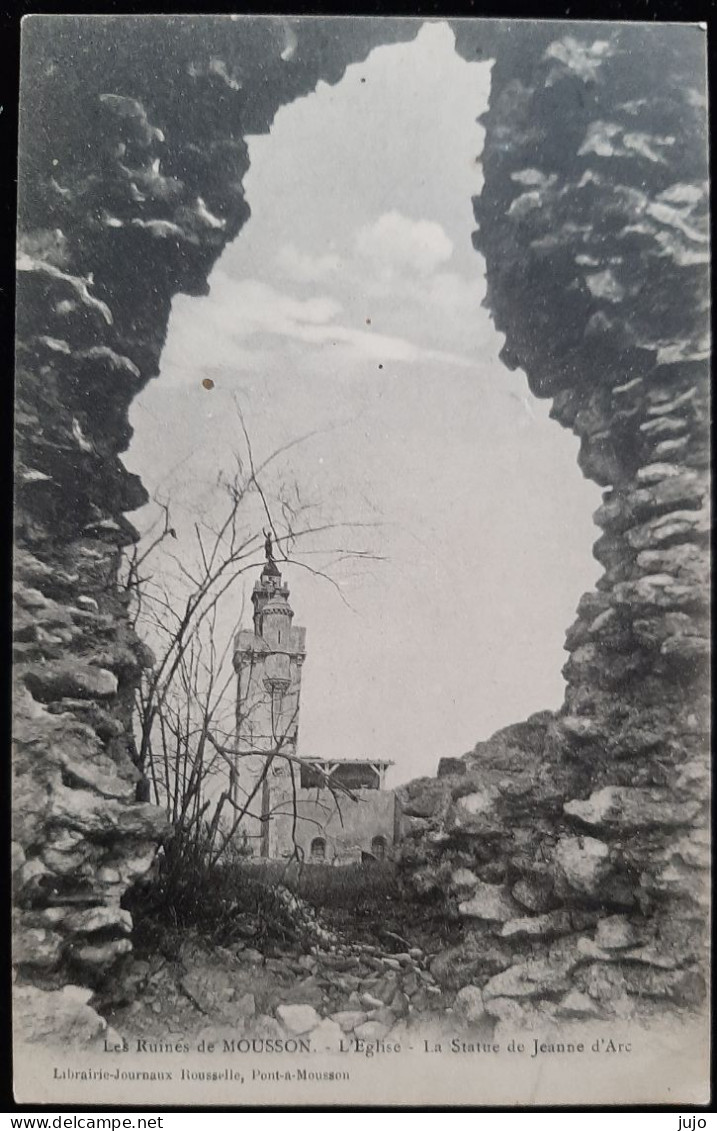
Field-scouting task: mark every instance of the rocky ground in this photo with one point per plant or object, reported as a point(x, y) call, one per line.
point(351, 989)
point(334, 977)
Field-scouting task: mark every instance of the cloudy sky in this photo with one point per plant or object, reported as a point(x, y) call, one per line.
point(350, 307)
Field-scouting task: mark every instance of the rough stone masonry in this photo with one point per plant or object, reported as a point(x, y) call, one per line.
point(582, 866)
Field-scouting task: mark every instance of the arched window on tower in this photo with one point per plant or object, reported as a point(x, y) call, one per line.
point(318, 849)
point(378, 847)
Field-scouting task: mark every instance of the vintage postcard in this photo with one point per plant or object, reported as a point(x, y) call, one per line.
point(361, 564)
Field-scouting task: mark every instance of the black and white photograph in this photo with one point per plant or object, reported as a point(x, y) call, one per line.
point(361, 565)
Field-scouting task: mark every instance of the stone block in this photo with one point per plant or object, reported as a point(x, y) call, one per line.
point(614, 933)
point(468, 1004)
point(36, 946)
point(539, 926)
point(534, 891)
point(584, 861)
point(632, 808)
point(70, 679)
point(371, 1031)
point(535, 978)
point(463, 880)
point(492, 902)
point(56, 1018)
point(451, 767)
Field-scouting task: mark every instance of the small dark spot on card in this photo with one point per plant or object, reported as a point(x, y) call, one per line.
point(207, 383)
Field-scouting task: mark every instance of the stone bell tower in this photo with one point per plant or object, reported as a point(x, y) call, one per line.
point(268, 664)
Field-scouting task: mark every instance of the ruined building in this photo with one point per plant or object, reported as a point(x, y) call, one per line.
point(330, 811)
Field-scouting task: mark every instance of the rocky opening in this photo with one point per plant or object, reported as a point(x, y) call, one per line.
point(596, 249)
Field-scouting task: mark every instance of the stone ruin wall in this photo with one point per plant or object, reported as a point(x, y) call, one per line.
point(134, 153)
point(576, 845)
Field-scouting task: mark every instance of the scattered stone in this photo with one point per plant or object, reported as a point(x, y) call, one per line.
point(400, 1004)
point(308, 991)
point(469, 1004)
point(371, 1002)
point(386, 988)
point(506, 1009)
point(371, 1031)
point(384, 1016)
point(298, 1018)
point(265, 1026)
point(348, 1019)
point(410, 984)
point(404, 959)
point(244, 1006)
point(576, 1004)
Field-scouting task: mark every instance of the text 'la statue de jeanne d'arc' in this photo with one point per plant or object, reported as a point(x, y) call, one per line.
point(323, 809)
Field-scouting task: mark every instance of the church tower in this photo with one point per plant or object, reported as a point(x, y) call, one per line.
point(268, 665)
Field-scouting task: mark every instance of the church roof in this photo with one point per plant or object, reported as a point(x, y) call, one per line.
point(351, 761)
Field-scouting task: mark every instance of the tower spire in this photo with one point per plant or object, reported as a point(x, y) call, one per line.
point(271, 595)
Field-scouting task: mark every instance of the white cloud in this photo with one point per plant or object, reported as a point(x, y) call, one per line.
point(247, 313)
point(397, 242)
point(303, 268)
point(259, 308)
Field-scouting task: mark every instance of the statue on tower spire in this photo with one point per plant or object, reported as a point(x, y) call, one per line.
point(268, 546)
